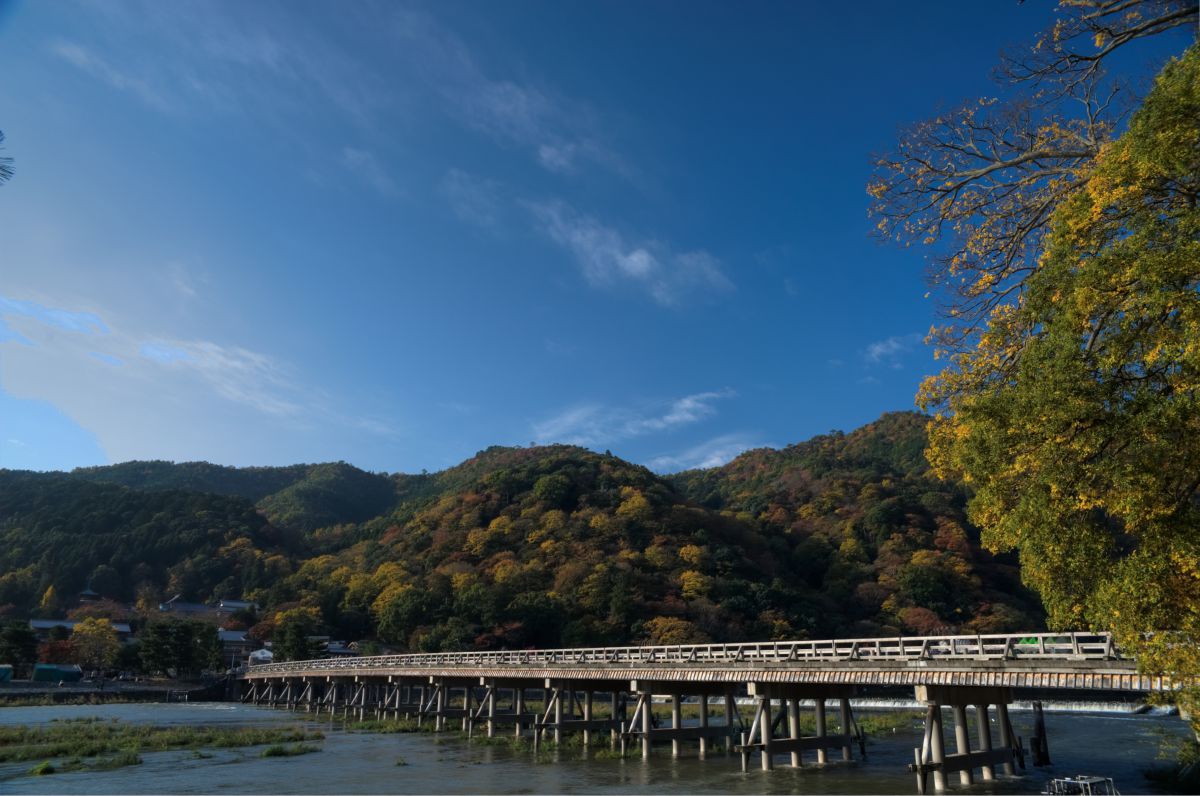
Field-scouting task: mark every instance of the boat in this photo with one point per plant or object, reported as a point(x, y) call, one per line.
point(1081, 785)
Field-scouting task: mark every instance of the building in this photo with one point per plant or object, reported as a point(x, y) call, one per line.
point(231, 606)
point(236, 647)
point(259, 657)
point(176, 605)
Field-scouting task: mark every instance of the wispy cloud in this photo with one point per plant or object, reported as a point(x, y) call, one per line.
point(364, 165)
point(228, 58)
point(473, 199)
point(890, 351)
point(607, 259)
point(711, 453)
point(593, 424)
point(181, 280)
point(82, 322)
point(84, 59)
point(559, 133)
point(107, 358)
point(140, 394)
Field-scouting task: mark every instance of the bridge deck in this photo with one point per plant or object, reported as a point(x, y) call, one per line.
point(1030, 660)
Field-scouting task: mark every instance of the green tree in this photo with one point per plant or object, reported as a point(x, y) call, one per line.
point(180, 648)
point(96, 643)
point(18, 646)
point(1077, 418)
point(293, 628)
point(293, 644)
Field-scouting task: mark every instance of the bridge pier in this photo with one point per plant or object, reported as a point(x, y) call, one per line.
point(762, 738)
point(931, 758)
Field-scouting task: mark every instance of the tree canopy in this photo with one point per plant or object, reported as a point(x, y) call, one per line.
point(1077, 418)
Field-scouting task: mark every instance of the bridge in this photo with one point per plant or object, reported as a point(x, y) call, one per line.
point(489, 690)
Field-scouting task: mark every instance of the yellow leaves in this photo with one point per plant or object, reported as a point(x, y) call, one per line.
point(693, 584)
point(636, 507)
point(694, 555)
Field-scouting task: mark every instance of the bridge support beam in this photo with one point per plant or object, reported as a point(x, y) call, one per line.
point(931, 758)
point(762, 737)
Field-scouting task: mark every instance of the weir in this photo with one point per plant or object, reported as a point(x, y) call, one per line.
point(608, 694)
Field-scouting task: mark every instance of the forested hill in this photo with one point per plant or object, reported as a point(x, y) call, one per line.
point(845, 534)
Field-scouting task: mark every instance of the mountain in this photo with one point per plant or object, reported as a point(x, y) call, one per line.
point(845, 534)
point(871, 529)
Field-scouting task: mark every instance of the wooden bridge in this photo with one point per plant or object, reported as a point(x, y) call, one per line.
point(488, 690)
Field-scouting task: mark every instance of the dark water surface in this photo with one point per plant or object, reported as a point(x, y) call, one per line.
point(1110, 744)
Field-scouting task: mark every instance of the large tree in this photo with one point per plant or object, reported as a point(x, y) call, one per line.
point(6, 167)
point(96, 643)
point(1067, 263)
point(1077, 418)
point(980, 182)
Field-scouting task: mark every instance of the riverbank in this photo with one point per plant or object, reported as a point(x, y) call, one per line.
point(23, 693)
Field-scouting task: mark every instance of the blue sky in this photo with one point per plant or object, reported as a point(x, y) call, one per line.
point(395, 234)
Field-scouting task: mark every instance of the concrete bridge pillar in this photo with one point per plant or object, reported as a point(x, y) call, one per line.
point(439, 716)
point(587, 716)
point(518, 707)
point(767, 755)
point(932, 757)
point(847, 727)
point(984, 729)
point(937, 749)
point(962, 742)
point(822, 755)
point(793, 720)
point(730, 706)
point(491, 710)
point(676, 722)
point(704, 725)
point(558, 714)
point(647, 722)
point(616, 713)
point(1007, 740)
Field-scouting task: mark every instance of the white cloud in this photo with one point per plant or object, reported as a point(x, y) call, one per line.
point(87, 61)
point(711, 453)
point(472, 199)
point(593, 424)
point(366, 166)
point(230, 58)
point(558, 132)
point(890, 351)
point(181, 280)
point(607, 259)
point(161, 397)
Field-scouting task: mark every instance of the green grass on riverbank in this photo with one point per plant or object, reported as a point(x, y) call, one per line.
point(87, 698)
point(97, 744)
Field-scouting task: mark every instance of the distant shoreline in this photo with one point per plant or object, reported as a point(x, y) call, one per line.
point(26, 693)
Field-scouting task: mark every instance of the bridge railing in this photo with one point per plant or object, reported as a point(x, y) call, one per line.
point(1064, 646)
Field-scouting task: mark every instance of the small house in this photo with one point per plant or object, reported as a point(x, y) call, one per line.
point(236, 647)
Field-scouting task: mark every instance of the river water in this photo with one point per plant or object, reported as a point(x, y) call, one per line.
point(1120, 745)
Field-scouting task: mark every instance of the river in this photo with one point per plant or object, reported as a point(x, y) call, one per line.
point(1113, 744)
